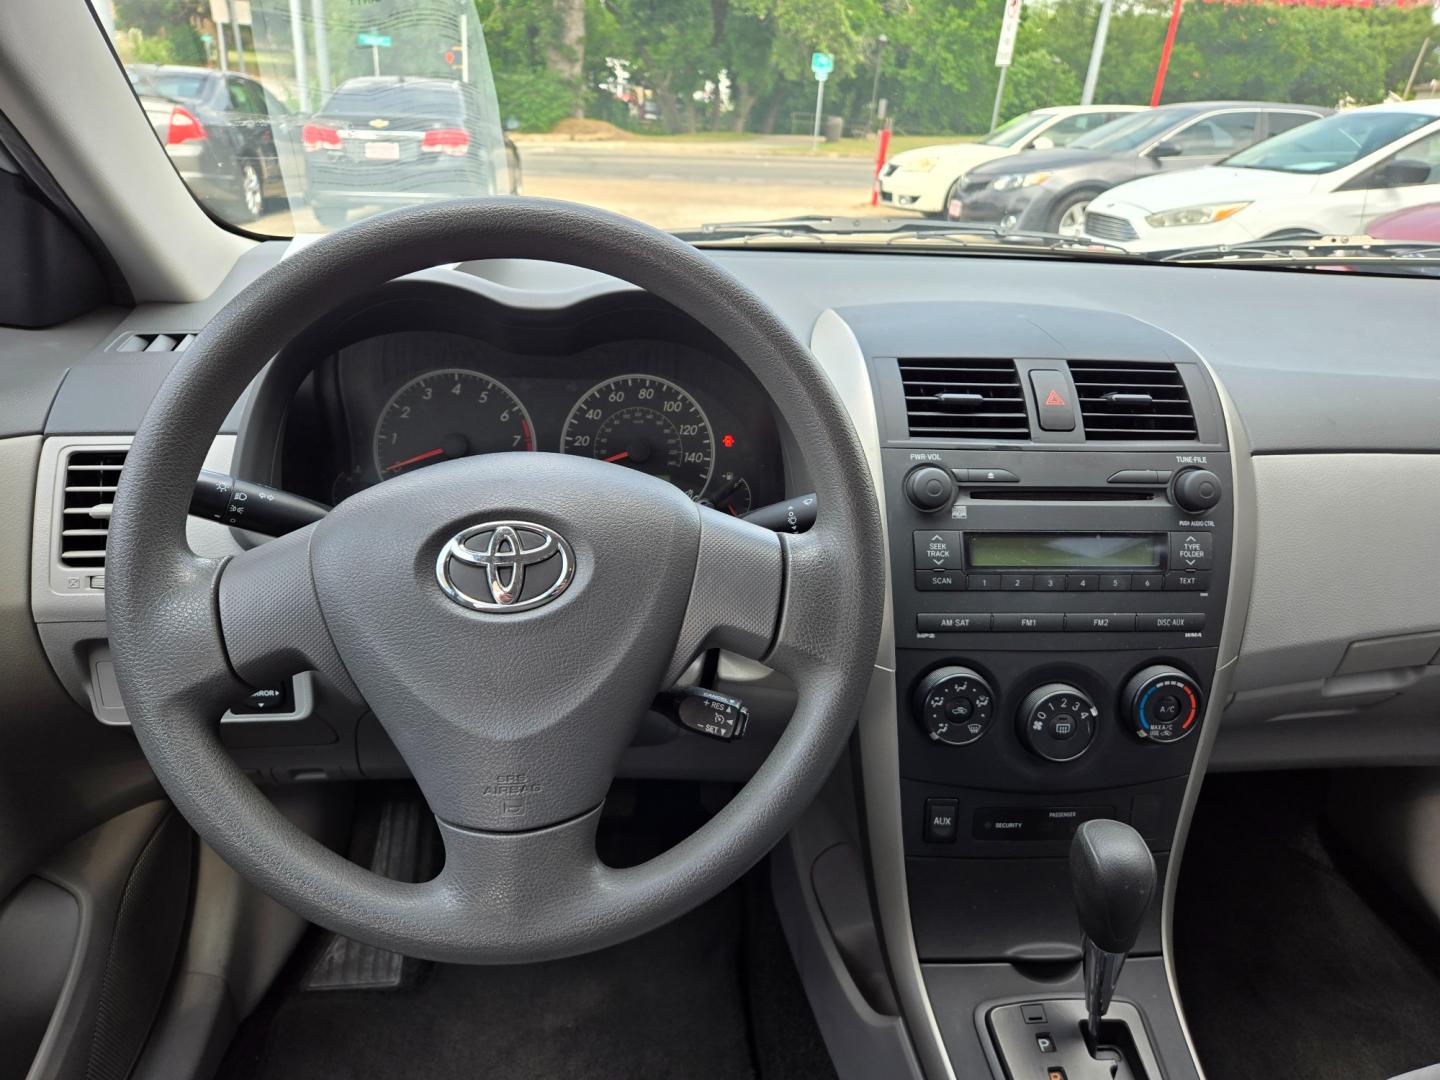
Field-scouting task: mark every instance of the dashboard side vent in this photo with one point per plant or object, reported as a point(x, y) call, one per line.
point(91, 477)
point(1132, 402)
point(964, 399)
point(153, 343)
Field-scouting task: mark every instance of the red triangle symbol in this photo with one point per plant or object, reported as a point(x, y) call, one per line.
point(1054, 399)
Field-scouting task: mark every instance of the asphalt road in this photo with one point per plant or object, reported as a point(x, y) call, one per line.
point(768, 170)
point(677, 187)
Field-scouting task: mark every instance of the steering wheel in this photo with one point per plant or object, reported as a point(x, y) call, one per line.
point(507, 618)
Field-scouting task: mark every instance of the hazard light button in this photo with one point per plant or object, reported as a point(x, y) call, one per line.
point(1054, 403)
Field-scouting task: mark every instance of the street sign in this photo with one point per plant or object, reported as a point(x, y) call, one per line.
point(822, 63)
point(1008, 25)
point(373, 40)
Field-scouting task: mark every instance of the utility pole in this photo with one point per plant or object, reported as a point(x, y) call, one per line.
point(297, 42)
point(1097, 53)
point(880, 44)
point(239, 42)
point(1165, 51)
point(464, 46)
point(1415, 68)
point(322, 47)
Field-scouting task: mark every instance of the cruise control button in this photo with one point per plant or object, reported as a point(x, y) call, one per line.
point(1187, 580)
point(951, 623)
point(937, 549)
point(939, 580)
point(1167, 621)
point(1192, 550)
point(1044, 623)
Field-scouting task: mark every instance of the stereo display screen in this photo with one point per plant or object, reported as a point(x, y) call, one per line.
point(1064, 551)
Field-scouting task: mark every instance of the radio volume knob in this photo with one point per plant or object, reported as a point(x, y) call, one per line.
point(1196, 490)
point(930, 488)
point(1163, 705)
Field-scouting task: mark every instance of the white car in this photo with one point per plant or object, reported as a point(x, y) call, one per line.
point(926, 179)
point(1331, 177)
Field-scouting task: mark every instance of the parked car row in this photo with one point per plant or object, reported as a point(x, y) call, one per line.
point(1187, 175)
point(376, 141)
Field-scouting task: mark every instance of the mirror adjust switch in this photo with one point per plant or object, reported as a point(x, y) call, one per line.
point(707, 712)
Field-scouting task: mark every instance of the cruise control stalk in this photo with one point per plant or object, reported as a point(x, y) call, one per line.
point(262, 509)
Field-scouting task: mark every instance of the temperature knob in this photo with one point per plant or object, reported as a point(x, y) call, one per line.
point(1057, 722)
point(954, 705)
point(1162, 704)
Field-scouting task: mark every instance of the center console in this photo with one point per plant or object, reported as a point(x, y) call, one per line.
point(1060, 503)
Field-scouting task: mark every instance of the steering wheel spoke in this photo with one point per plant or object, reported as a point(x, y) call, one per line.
point(271, 621)
point(736, 594)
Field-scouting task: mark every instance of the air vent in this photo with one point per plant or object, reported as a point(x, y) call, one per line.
point(1131, 402)
point(153, 343)
point(964, 399)
point(91, 477)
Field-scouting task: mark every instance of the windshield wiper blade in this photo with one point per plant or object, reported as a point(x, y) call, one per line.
point(1336, 250)
point(893, 231)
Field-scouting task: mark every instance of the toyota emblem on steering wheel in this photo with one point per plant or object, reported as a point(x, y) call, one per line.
point(505, 566)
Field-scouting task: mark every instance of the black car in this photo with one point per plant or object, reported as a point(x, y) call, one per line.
point(394, 140)
point(232, 141)
point(1048, 190)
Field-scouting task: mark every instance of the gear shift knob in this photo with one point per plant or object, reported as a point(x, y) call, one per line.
point(1112, 874)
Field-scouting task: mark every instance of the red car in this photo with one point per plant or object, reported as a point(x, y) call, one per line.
point(1412, 223)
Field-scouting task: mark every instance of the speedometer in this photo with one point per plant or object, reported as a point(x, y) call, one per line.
point(647, 423)
point(451, 413)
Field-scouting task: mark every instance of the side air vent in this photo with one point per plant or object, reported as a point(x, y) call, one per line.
point(964, 399)
point(1131, 402)
point(153, 343)
point(91, 477)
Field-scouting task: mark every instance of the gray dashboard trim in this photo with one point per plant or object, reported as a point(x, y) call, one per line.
point(838, 350)
point(1242, 568)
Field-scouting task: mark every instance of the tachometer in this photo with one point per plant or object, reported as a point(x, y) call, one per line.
point(646, 423)
point(450, 413)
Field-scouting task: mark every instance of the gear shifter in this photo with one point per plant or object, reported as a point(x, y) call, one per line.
point(1113, 876)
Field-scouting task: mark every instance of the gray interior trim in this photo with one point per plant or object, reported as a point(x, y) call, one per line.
point(1242, 565)
point(92, 135)
point(838, 350)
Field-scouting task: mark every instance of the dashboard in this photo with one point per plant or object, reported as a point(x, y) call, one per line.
point(423, 383)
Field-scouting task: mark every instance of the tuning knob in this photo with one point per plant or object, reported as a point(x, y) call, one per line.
point(930, 488)
point(1195, 490)
point(1057, 722)
point(1162, 705)
point(954, 705)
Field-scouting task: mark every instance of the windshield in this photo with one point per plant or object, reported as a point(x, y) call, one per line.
point(775, 122)
point(1127, 133)
point(1015, 129)
point(1332, 143)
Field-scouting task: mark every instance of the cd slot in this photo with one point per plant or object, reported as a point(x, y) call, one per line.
point(1062, 495)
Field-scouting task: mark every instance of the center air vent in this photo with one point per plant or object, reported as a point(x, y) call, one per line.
point(91, 477)
point(1130, 402)
point(964, 399)
point(153, 343)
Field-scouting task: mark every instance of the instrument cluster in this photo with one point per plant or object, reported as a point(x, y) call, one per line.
point(411, 399)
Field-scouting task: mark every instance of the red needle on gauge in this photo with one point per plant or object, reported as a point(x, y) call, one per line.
point(426, 456)
point(619, 457)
